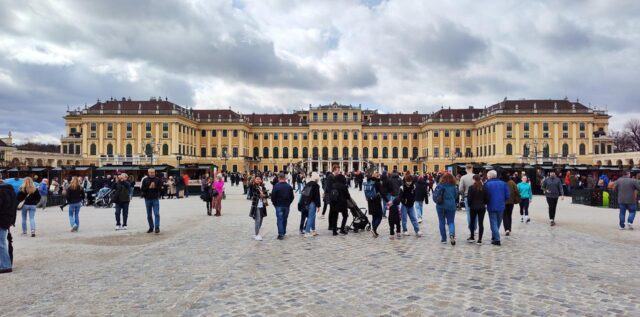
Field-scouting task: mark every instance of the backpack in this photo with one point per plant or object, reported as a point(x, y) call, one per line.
point(334, 196)
point(438, 195)
point(306, 194)
point(370, 192)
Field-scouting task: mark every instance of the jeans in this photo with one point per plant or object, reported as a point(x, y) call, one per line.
point(495, 219)
point(153, 205)
point(74, 214)
point(257, 221)
point(553, 203)
point(409, 211)
point(524, 207)
point(311, 217)
point(623, 211)
point(282, 214)
point(124, 208)
point(417, 206)
point(472, 224)
point(31, 211)
point(5, 259)
point(448, 217)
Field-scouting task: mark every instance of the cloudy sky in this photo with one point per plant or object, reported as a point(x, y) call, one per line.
point(275, 56)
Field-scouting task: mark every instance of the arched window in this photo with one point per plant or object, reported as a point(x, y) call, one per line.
point(405, 152)
point(92, 149)
point(315, 153)
point(295, 152)
point(109, 149)
point(545, 150)
point(583, 149)
point(129, 149)
point(354, 153)
point(565, 150)
point(365, 153)
point(394, 152)
point(509, 149)
point(276, 153)
point(414, 153)
point(325, 152)
point(525, 150)
point(256, 152)
point(305, 152)
point(375, 152)
point(265, 152)
point(335, 153)
point(285, 152)
point(345, 152)
point(148, 150)
point(385, 152)
point(165, 149)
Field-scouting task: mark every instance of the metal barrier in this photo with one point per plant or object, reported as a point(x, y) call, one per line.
point(595, 197)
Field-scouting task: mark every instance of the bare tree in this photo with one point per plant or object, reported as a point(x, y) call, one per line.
point(622, 141)
point(632, 127)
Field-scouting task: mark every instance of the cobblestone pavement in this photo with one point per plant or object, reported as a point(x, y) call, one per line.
point(202, 265)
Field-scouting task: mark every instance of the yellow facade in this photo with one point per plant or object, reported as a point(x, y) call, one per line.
point(159, 132)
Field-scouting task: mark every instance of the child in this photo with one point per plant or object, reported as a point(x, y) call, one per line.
point(394, 217)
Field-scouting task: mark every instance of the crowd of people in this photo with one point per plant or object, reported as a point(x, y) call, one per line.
point(399, 198)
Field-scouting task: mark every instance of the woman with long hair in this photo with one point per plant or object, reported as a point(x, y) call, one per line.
point(477, 198)
point(446, 196)
point(28, 193)
point(259, 198)
point(74, 196)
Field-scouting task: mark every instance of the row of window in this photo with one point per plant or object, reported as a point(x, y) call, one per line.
point(335, 153)
point(93, 130)
point(325, 116)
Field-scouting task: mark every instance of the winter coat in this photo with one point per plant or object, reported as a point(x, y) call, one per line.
point(498, 194)
point(255, 197)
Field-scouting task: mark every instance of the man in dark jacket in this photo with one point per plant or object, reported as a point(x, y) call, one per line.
point(339, 195)
point(122, 198)
point(328, 185)
point(282, 197)
point(7, 219)
point(552, 187)
point(151, 188)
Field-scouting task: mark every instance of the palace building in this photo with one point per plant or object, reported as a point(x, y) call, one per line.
point(157, 131)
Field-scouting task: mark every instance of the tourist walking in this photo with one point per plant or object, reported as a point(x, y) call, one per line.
point(312, 200)
point(465, 183)
point(407, 194)
point(75, 196)
point(207, 194)
point(43, 188)
point(328, 185)
point(151, 187)
point(122, 199)
point(171, 187)
point(259, 205)
point(282, 197)
point(185, 181)
point(29, 197)
point(338, 197)
point(395, 214)
point(626, 188)
point(372, 191)
point(498, 194)
point(552, 187)
point(524, 189)
point(218, 185)
point(7, 220)
point(477, 198)
point(514, 198)
point(445, 195)
point(421, 196)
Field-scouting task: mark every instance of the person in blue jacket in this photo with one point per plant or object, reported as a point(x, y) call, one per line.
point(498, 195)
point(446, 208)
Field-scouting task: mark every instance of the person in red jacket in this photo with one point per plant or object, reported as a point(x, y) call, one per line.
point(185, 177)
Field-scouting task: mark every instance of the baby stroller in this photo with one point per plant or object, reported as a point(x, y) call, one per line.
point(103, 198)
point(360, 219)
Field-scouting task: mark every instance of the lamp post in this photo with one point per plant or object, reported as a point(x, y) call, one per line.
point(535, 143)
point(150, 148)
point(224, 158)
point(179, 158)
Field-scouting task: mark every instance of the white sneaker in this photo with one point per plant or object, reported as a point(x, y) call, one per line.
point(419, 234)
point(258, 238)
point(124, 227)
point(118, 228)
point(630, 226)
point(420, 220)
point(406, 233)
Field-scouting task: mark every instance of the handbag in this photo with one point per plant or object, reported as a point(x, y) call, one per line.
point(21, 204)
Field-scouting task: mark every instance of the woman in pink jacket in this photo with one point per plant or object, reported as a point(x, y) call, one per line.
point(217, 200)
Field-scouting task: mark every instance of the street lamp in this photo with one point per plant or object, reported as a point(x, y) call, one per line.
point(150, 148)
point(179, 158)
point(535, 143)
point(224, 158)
